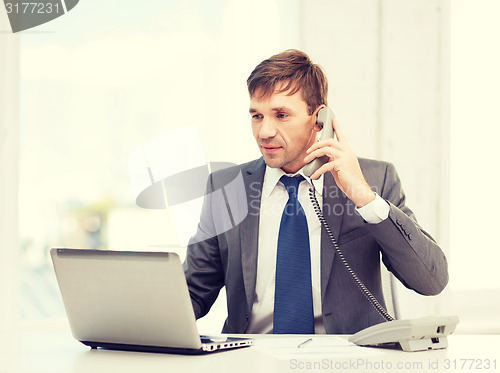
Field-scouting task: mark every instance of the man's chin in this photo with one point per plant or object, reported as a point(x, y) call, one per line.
point(273, 162)
point(276, 163)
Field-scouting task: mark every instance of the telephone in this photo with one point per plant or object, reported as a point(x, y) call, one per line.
point(324, 120)
point(422, 334)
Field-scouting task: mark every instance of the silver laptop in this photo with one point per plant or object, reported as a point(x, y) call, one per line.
point(131, 301)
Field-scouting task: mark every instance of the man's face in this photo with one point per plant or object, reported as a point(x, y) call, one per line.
point(283, 129)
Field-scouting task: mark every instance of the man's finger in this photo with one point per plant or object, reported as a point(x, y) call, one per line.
point(338, 130)
point(328, 151)
point(322, 143)
point(323, 169)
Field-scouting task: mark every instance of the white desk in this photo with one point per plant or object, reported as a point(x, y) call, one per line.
point(58, 352)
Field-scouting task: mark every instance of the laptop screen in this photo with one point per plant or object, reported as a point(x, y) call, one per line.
point(138, 298)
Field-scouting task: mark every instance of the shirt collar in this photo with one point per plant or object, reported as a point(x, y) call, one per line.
point(273, 175)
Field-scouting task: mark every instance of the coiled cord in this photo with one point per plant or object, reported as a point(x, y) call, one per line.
point(373, 301)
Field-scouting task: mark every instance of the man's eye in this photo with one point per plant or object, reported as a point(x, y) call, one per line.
point(282, 115)
point(257, 116)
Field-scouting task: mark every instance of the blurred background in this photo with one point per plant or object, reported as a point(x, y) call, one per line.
point(413, 82)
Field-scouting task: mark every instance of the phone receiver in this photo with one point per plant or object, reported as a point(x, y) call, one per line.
point(324, 120)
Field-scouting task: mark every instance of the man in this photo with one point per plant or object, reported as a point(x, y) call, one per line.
point(272, 285)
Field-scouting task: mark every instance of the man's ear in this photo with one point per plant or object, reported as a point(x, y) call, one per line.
point(317, 128)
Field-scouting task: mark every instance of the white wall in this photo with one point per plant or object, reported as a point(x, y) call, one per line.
point(475, 132)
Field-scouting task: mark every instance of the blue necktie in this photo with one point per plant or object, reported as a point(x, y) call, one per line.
point(293, 305)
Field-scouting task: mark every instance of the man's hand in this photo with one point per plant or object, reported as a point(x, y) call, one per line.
point(343, 165)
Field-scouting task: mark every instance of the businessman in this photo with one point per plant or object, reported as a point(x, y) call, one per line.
point(278, 263)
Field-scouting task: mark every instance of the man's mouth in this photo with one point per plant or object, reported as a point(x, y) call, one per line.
point(271, 149)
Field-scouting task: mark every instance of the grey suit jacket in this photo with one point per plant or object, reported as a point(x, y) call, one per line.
point(224, 250)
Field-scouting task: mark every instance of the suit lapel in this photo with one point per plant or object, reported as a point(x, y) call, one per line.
point(334, 205)
point(249, 227)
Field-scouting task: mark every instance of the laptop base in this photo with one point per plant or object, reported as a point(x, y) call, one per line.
point(227, 344)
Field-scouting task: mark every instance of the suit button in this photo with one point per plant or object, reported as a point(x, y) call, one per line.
point(410, 236)
point(398, 222)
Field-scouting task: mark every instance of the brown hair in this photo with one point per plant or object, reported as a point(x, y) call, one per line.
point(294, 68)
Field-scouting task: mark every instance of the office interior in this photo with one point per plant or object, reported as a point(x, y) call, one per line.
point(413, 82)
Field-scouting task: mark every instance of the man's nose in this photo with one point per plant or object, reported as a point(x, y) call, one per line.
point(267, 129)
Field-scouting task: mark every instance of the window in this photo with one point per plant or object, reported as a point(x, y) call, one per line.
point(107, 78)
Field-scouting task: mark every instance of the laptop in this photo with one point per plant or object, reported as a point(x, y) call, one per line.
point(128, 300)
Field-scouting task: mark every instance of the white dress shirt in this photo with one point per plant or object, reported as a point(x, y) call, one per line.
point(273, 201)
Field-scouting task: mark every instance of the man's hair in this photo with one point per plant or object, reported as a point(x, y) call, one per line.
point(295, 69)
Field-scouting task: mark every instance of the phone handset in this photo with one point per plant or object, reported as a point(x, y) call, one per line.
point(324, 120)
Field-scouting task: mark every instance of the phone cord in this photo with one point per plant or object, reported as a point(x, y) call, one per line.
point(373, 301)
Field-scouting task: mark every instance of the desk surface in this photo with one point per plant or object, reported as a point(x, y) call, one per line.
point(54, 352)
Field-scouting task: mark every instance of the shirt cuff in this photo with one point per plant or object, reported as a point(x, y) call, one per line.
point(376, 211)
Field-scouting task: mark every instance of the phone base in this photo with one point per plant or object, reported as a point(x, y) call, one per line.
point(426, 333)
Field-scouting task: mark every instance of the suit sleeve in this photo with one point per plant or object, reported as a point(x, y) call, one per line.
point(203, 265)
point(408, 251)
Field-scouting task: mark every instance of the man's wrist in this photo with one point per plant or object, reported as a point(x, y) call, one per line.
point(362, 196)
point(375, 211)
